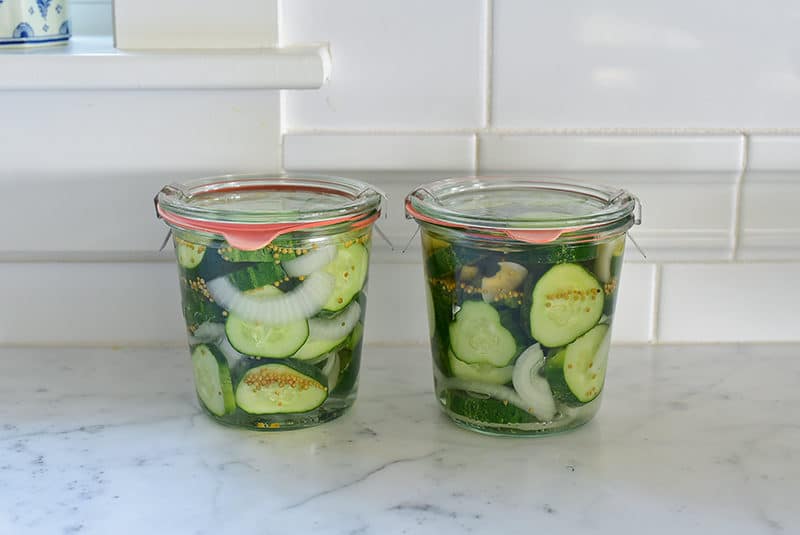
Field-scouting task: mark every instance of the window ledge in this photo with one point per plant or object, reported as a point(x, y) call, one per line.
point(94, 63)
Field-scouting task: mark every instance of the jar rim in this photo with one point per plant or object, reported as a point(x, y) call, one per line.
point(531, 208)
point(245, 199)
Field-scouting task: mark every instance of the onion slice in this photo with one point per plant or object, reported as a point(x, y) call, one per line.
point(531, 387)
point(337, 327)
point(310, 262)
point(301, 303)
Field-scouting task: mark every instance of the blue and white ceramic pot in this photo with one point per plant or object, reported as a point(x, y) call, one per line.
point(25, 23)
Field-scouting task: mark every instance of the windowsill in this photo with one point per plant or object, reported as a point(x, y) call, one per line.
point(94, 63)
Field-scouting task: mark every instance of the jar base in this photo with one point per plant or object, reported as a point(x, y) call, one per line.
point(281, 422)
point(564, 422)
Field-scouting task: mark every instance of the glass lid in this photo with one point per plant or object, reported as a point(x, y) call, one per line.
point(520, 203)
point(254, 199)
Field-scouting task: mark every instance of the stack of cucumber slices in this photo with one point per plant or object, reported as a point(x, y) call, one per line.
point(277, 330)
point(518, 343)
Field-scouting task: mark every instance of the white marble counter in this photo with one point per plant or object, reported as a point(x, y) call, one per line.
point(692, 439)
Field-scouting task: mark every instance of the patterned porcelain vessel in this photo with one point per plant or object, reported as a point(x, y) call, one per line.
point(26, 23)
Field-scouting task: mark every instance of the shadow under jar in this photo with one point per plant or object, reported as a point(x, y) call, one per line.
point(273, 276)
point(522, 278)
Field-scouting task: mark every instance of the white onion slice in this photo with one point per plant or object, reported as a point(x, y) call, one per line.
point(310, 262)
point(301, 303)
point(337, 327)
point(531, 387)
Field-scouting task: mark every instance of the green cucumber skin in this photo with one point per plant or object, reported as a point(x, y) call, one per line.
point(263, 274)
point(197, 308)
point(485, 409)
point(446, 264)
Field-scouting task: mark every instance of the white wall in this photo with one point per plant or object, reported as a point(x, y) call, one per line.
point(691, 106)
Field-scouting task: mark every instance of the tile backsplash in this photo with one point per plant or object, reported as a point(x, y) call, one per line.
point(692, 107)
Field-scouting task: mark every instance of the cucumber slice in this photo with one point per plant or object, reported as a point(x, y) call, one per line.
point(301, 303)
point(307, 264)
point(484, 409)
point(270, 253)
point(480, 372)
point(280, 389)
point(265, 340)
point(585, 363)
point(258, 276)
point(567, 301)
point(212, 379)
point(355, 336)
point(532, 387)
point(478, 337)
point(189, 254)
point(349, 270)
point(327, 334)
point(555, 361)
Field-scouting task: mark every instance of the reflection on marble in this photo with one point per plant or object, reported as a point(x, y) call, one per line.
point(691, 439)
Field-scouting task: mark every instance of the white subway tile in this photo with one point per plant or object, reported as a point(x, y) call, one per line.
point(155, 24)
point(729, 303)
point(651, 153)
point(774, 153)
point(58, 132)
point(641, 64)
point(396, 305)
point(90, 303)
point(634, 308)
point(412, 64)
point(380, 152)
point(770, 227)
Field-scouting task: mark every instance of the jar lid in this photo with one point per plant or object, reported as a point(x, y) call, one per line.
point(250, 211)
point(529, 209)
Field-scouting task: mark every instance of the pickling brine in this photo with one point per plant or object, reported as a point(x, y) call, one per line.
point(522, 277)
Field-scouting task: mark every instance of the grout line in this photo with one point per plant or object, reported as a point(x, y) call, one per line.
point(541, 131)
point(655, 311)
point(488, 61)
point(737, 199)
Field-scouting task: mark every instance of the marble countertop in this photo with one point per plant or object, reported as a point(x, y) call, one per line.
point(690, 439)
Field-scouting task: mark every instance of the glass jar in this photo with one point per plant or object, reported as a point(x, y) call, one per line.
point(273, 275)
point(522, 276)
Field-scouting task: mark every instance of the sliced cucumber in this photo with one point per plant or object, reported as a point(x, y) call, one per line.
point(355, 337)
point(270, 253)
point(585, 363)
point(478, 337)
point(532, 387)
point(325, 335)
point(484, 409)
point(280, 389)
point(555, 361)
point(349, 270)
point(265, 340)
point(212, 379)
point(480, 372)
point(567, 301)
point(348, 371)
point(307, 264)
point(189, 254)
point(301, 303)
point(258, 276)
